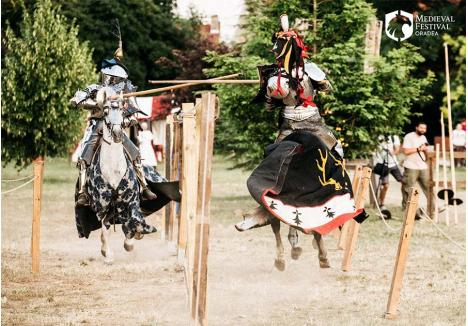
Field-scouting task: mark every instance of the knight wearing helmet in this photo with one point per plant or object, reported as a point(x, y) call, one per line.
point(290, 85)
point(114, 74)
point(301, 179)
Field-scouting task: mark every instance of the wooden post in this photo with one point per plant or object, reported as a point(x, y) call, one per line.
point(314, 22)
point(444, 168)
point(167, 209)
point(430, 199)
point(374, 189)
point(372, 43)
point(207, 123)
point(402, 255)
point(450, 130)
point(354, 226)
point(189, 178)
point(180, 167)
point(355, 186)
point(36, 221)
point(437, 169)
point(174, 176)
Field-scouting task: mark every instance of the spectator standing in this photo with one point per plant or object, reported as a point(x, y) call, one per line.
point(145, 138)
point(459, 143)
point(386, 156)
point(415, 148)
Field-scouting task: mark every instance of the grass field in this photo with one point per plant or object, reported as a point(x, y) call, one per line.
point(146, 287)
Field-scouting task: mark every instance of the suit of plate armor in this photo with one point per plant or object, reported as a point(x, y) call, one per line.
point(114, 75)
point(295, 113)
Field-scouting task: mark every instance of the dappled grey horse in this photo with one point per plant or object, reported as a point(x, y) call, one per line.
point(112, 182)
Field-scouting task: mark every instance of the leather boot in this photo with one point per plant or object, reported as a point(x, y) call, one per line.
point(83, 197)
point(146, 193)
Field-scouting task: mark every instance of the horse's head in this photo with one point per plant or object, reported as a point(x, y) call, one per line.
point(113, 112)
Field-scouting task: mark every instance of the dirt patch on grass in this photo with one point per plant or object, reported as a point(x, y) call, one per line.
point(147, 287)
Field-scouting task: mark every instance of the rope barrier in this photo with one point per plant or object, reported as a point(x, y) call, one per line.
point(14, 180)
point(380, 212)
point(20, 186)
point(427, 217)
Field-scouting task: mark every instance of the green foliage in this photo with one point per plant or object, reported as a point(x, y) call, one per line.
point(457, 67)
point(361, 105)
point(367, 105)
point(432, 49)
point(44, 65)
point(149, 28)
point(243, 128)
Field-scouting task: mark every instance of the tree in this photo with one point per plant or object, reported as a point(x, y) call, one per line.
point(44, 65)
point(432, 49)
point(457, 66)
point(188, 62)
point(361, 105)
point(149, 28)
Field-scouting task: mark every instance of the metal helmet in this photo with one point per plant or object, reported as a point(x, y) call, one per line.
point(113, 72)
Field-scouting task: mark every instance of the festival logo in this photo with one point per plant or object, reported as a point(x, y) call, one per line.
point(399, 25)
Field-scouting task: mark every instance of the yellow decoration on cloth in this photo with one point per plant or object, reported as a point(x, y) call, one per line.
point(323, 180)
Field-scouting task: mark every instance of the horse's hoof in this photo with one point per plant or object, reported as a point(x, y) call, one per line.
point(128, 247)
point(280, 264)
point(296, 253)
point(108, 261)
point(103, 252)
point(324, 263)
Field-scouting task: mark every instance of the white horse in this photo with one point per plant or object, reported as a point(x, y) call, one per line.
point(112, 182)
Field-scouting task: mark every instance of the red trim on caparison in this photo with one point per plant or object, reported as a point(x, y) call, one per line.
point(322, 229)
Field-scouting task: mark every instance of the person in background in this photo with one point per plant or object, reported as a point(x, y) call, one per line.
point(386, 155)
point(145, 138)
point(459, 143)
point(415, 148)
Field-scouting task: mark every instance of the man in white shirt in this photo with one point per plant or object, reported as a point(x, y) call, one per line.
point(415, 147)
point(459, 143)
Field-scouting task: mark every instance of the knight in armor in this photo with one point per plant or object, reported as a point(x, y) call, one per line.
point(114, 74)
point(291, 84)
point(305, 148)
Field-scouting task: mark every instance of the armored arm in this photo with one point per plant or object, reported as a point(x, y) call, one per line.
point(277, 87)
point(131, 110)
point(86, 98)
point(317, 77)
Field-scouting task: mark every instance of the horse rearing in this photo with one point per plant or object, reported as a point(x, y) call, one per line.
point(112, 182)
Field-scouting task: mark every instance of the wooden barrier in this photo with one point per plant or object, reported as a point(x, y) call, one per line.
point(168, 150)
point(196, 136)
point(402, 255)
point(189, 177)
point(354, 226)
point(355, 185)
point(200, 274)
point(437, 174)
point(434, 159)
point(36, 221)
point(174, 175)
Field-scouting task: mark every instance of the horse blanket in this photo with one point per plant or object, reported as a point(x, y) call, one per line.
point(122, 204)
point(304, 184)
